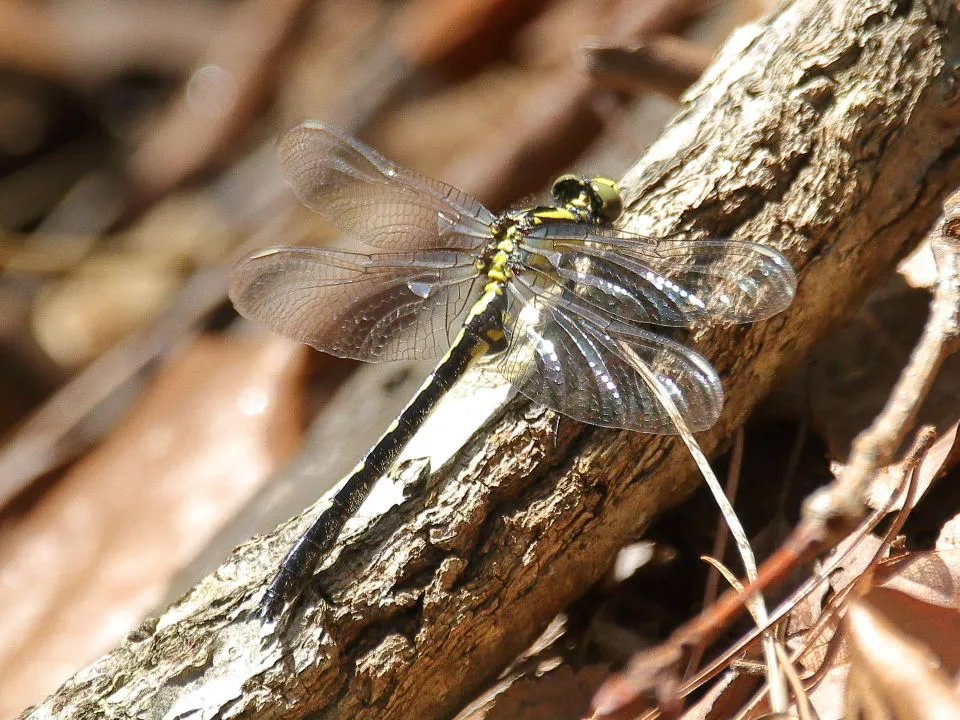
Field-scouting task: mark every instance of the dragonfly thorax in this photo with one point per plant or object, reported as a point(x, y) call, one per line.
point(498, 261)
point(579, 200)
point(598, 196)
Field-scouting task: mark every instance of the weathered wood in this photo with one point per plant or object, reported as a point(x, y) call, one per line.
point(830, 131)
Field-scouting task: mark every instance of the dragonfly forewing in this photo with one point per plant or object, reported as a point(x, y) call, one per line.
point(672, 283)
point(374, 200)
point(388, 306)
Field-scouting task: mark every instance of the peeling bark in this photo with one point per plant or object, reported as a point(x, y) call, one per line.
point(829, 131)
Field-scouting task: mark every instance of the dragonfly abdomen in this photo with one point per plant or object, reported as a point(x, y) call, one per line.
point(481, 333)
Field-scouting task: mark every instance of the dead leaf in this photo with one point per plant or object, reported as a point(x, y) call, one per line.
point(932, 577)
point(827, 697)
point(725, 697)
point(557, 693)
point(854, 368)
point(919, 594)
point(81, 566)
point(949, 537)
point(919, 268)
point(857, 556)
point(892, 673)
point(942, 456)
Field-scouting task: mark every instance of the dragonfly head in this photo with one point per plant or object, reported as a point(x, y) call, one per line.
point(600, 194)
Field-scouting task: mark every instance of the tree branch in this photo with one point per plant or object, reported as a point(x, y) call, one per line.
point(829, 131)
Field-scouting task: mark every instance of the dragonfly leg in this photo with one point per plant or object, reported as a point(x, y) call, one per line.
point(556, 430)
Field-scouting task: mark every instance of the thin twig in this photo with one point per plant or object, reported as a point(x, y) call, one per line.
point(778, 695)
point(796, 685)
point(707, 625)
point(666, 64)
point(874, 448)
point(804, 709)
point(719, 543)
point(903, 495)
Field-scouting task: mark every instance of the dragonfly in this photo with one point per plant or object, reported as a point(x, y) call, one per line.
point(559, 302)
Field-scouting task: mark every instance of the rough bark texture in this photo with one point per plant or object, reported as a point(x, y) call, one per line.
point(830, 131)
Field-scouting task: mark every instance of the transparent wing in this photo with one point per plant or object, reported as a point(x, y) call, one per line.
point(563, 354)
point(679, 283)
point(388, 306)
point(382, 204)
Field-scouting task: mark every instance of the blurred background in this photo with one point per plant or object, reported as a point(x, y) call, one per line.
point(145, 430)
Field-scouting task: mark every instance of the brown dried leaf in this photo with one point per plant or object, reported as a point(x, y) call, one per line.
point(855, 368)
point(919, 268)
point(857, 558)
point(919, 594)
point(801, 619)
point(891, 673)
point(558, 693)
point(940, 458)
point(82, 565)
point(932, 577)
point(725, 697)
point(949, 538)
point(828, 696)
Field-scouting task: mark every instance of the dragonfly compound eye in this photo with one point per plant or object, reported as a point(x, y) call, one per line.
point(607, 195)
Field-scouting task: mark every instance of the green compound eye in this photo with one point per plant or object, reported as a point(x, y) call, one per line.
point(608, 193)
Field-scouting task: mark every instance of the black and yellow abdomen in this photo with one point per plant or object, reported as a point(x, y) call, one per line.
point(482, 333)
